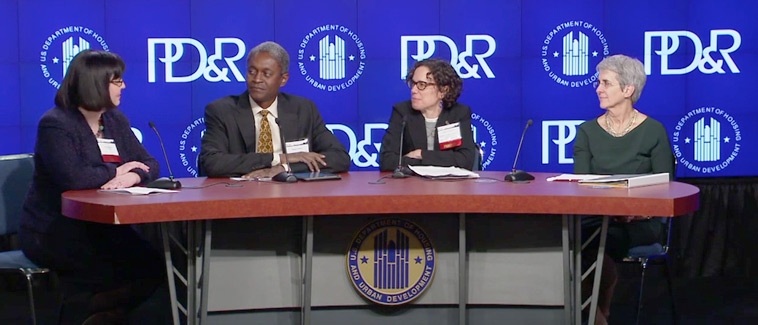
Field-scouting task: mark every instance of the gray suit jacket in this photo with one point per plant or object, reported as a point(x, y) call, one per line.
point(228, 146)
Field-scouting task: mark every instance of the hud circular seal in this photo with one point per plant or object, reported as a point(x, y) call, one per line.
point(391, 261)
point(483, 128)
point(60, 48)
point(189, 145)
point(706, 140)
point(570, 52)
point(331, 57)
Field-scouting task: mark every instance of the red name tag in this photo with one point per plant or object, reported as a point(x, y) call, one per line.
point(451, 144)
point(111, 158)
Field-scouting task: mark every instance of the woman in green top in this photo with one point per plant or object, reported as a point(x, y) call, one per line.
point(622, 140)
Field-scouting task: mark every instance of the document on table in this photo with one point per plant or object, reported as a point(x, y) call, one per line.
point(628, 181)
point(443, 172)
point(631, 180)
point(138, 190)
point(573, 177)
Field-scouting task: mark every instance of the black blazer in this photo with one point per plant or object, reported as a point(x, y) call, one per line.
point(228, 146)
point(415, 138)
point(67, 157)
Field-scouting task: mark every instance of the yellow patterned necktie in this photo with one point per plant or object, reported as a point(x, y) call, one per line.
point(265, 144)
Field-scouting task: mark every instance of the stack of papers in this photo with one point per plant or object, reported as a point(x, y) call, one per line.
point(443, 172)
point(626, 181)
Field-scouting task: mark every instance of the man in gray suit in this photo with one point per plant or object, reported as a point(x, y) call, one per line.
point(242, 132)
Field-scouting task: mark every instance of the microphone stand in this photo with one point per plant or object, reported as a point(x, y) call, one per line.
point(164, 183)
point(286, 176)
point(401, 171)
point(519, 176)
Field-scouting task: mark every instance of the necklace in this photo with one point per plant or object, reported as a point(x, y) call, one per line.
point(628, 127)
point(100, 128)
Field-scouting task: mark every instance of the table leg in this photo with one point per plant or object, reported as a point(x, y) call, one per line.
point(205, 257)
point(577, 274)
point(192, 244)
point(598, 271)
point(169, 271)
point(462, 270)
point(567, 276)
point(573, 274)
point(307, 258)
point(197, 254)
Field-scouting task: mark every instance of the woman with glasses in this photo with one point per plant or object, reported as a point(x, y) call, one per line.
point(622, 140)
point(434, 127)
point(85, 142)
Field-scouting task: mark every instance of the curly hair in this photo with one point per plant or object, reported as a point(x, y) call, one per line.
point(445, 77)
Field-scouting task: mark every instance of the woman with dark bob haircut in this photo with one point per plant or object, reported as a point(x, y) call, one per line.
point(435, 128)
point(84, 142)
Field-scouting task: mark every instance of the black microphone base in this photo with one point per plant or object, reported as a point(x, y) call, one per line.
point(402, 172)
point(284, 177)
point(165, 183)
point(518, 176)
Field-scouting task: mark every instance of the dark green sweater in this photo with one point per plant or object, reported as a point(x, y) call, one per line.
point(645, 149)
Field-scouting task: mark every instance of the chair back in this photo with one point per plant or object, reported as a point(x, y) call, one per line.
point(478, 157)
point(642, 253)
point(16, 172)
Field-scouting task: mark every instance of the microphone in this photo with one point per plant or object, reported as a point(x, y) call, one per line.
point(286, 176)
point(164, 183)
point(401, 171)
point(519, 176)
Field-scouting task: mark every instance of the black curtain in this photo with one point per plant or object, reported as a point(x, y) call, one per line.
point(721, 238)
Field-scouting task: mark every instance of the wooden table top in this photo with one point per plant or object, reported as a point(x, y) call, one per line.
point(354, 195)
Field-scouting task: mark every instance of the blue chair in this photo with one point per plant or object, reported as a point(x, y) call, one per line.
point(16, 173)
point(652, 253)
point(478, 158)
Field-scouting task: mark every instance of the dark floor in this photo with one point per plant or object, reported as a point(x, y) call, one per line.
point(716, 300)
point(14, 302)
point(713, 300)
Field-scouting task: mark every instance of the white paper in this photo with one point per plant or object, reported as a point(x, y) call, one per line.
point(435, 171)
point(573, 177)
point(136, 190)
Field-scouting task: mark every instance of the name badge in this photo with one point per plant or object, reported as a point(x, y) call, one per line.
point(108, 150)
point(449, 135)
point(298, 146)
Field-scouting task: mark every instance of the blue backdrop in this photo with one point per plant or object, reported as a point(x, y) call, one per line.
point(701, 58)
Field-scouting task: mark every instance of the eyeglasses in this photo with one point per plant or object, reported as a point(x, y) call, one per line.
point(421, 85)
point(118, 82)
point(605, 83)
